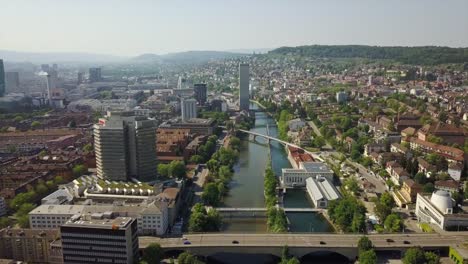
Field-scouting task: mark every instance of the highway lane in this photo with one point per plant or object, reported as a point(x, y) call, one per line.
point(307, 240)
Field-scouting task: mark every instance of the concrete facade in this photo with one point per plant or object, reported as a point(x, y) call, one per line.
point(244, 94)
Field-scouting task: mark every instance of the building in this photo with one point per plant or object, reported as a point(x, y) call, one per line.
point(198, 126)
point(3, 206)
point(437, 209)
point(450, 134)
point(188, 108)
point(296, 124)
point(2, 79)
point(12, 82)
point(95, 74)
point(100, 238)
point(152, 216)
point(297, 177)
point(244, 94)
point(407, 194)
point(321, 191)
point(200, 93)
point(27, 245)
point(450, 153)
point(455, 171)
point(341, 97)
point(125, 147)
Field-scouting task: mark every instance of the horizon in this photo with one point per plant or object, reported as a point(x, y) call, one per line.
point(157, 27)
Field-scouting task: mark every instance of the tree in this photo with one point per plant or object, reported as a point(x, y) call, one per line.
point(387, 200)
point(197, 159)
point(203, 221)
point(23, 221)
point(348, 214)
point(153, 253)
point(235, 143)
point(414, 256)
point(163, 170)
point(368, 257)
point(210, 194)
point(442, 116)
point(41, 189)
point(59, 180)
point(420, 178)
point(35, 124)
point(364, 244)
point(79, 170)
point(177, 169)
point(393, 223)
point(351, 185)
point(4, 222)
point(431, 258)
point(187, 258)
point(72, 124)
point(88, 147)
point(428, 187)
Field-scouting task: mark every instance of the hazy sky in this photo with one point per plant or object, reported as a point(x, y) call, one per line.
point(132, 27)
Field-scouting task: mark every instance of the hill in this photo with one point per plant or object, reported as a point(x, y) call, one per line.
point(425, 55)
point(187, 57)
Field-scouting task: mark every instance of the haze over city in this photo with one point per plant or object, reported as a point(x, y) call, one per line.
point(130, 28)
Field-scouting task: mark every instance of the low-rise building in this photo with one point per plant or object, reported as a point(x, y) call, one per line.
point(448, 185)
point(407, 194)
point(437, 209)
point(297, 177)
point(321, 191)
point(296, 124)
point(455, 171)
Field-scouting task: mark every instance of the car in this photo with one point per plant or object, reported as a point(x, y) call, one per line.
point(406, 242)
point(186, 242)
point(414, 218)
point(184, 238)
point(235, 242)
point(323, 243)
point(389, 240)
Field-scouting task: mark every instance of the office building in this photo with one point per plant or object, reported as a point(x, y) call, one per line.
point(244, 97)
point(45, 67)
point(12, 82)
point(2, 79)
point(341, 97)
point(125, 147)
point(200, 93)
point(199, 126)
point(188, 109)
point(80, 77)
point(95, 74)
point(99, 238)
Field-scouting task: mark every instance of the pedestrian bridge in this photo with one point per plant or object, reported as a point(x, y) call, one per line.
point(262, 209)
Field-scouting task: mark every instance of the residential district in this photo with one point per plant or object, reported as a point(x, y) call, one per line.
point(136, 163)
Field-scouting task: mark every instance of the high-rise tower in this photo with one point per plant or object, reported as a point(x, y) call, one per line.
point(244, 96)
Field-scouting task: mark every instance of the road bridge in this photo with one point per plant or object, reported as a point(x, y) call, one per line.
point(262, 209)
point(301, 245)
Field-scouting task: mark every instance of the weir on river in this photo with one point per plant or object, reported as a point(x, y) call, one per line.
point(246, 187)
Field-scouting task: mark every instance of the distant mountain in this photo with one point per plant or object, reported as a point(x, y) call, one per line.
point(426, 55)
point(55, 57)
point(188, 56)
point(250, 51)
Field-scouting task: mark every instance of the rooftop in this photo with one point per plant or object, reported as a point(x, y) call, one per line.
point(318, 167)
point(99, 221)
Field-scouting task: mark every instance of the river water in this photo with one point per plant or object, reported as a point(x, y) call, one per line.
point(246, 187)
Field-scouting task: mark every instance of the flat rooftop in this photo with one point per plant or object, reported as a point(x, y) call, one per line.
point(316, 167)
point(88, 221)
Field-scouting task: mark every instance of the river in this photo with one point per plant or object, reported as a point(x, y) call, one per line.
point(246, 187)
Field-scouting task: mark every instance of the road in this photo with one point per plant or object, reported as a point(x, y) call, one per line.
point(380, 186)
point(306, 240)
point(318, 133)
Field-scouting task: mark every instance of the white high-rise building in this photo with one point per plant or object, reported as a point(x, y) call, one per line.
point(125, 147)
point(244, 97)
point(188, 109)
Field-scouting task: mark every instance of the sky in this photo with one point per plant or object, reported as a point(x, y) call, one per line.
point(133, 27)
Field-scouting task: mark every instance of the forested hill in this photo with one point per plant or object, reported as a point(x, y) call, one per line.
point(427, 55)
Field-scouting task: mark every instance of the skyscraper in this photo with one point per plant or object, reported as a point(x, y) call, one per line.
point(244, 96)
point(200, 93)
point(2, 79)
point(100, 238)
point(12, 82)
point(94, 74)
point(188, 109)
point(125, 147)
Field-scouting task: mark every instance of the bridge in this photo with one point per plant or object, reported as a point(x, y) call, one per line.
point(301, 245)
point(262, 209)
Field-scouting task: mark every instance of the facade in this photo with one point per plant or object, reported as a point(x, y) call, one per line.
point(3, 206)
point(199, 126)
point(125, 147)
point(407, 194)
point(2, 79)
point(200, 93)
point(27, 245)
point(100, 239)
point(341, 97)
point(95, 74)
point(438, 209)
point(12, 82)
point(321, 191)
point(188, 109)
point(297, 177)
point(244, 95)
